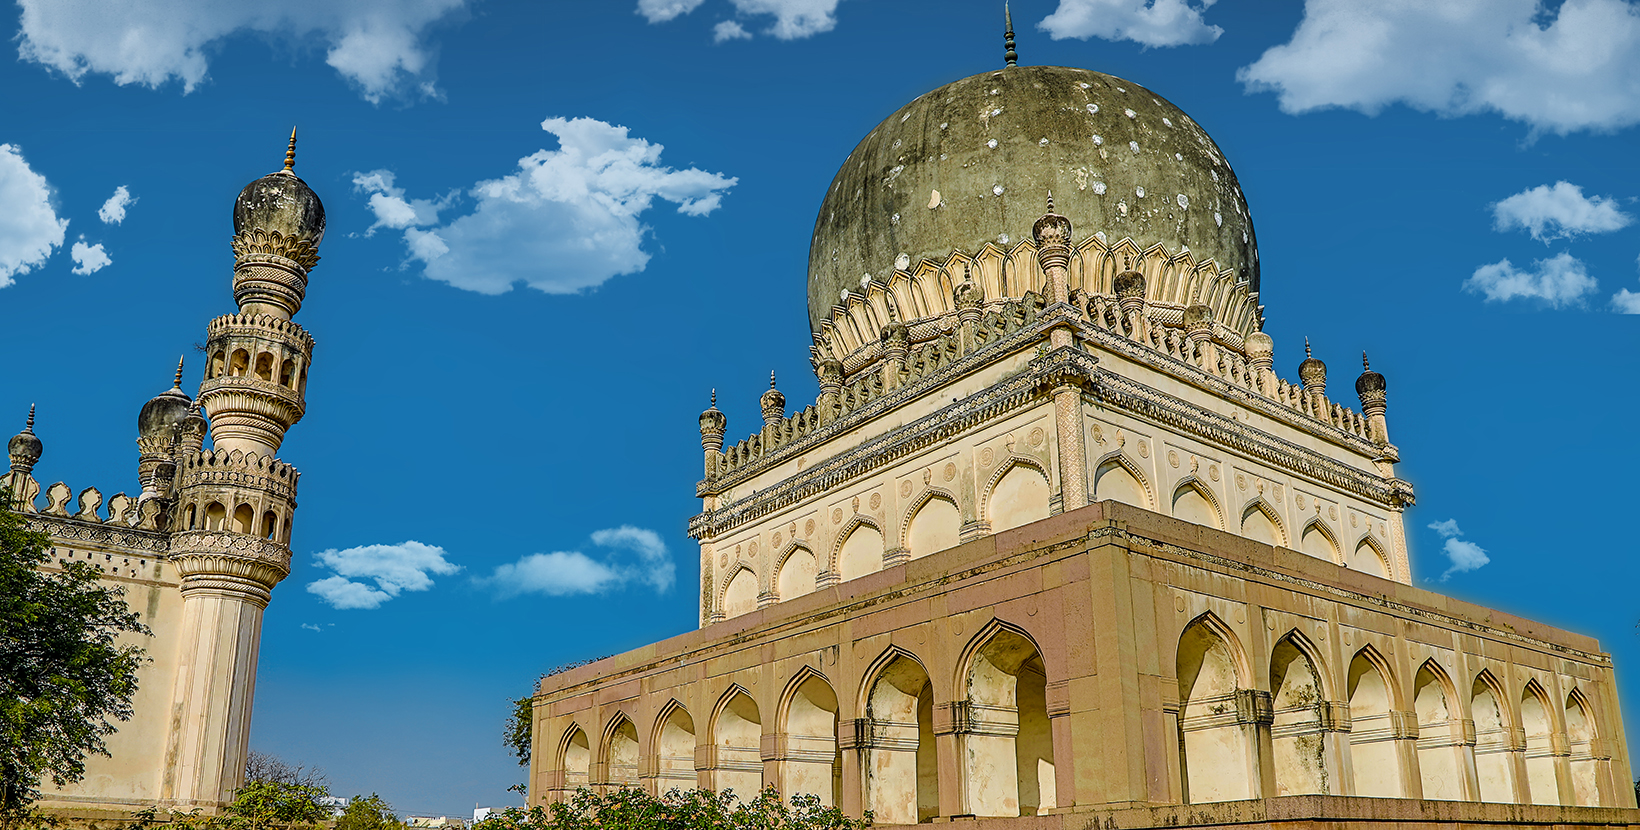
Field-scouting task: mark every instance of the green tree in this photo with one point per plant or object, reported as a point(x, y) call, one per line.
point(64, 675)
point(263, 804)
point(518, 729)
point(372, 813)
point(629, 808)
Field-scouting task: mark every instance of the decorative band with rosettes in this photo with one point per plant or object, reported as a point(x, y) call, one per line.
point(297, 248)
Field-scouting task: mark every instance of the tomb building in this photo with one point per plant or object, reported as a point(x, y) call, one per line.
point(1057, 541)
point(201, 546)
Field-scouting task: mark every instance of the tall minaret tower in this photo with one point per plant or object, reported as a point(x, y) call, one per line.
point(232, 515)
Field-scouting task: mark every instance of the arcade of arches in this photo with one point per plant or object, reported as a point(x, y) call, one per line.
point(989, 680)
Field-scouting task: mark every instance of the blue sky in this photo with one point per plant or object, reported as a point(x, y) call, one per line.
point(554, 227)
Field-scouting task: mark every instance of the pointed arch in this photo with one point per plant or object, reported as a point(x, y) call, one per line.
point(858, 550)
point(674, 741)
point(1371, 687)
point(1007, 748)
point(1300, 690)
point(795, 571)
point(807, 716)
point(1117, 478)
point(1442, 752)
point(737, 736)
point(1194, 502)
point(938, 529)
point(901, 774)
point(739, 594)
point(1018, 493)
point(1260, 521)
point(1317, 540)
point(619, 748)
point(1212, 670)
point(1489, 709)
point(575, 758)
point(1581, 736)
point(1537, 722)
point(1370, 557)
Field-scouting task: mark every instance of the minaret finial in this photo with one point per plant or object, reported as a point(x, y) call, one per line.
point(1365, 366)
point(1010, 57)
point(1050, 201)
point(290, 152)
point(771, 378)
point(714, 397)
point(29, 428)
point(1307, 348)
point(177, 384)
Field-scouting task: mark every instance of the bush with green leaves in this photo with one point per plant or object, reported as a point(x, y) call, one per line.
point(628, 808)
point(368, 813)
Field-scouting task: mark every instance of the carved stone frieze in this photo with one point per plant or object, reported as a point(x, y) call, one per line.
point(299, 249)
point(76, 530)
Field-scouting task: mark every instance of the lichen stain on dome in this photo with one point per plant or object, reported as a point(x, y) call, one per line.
point(1025, 131)
point(280, 202)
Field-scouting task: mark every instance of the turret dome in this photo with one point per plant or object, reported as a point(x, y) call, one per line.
point(282, 202)
point(25, 448)
point(163, 412)
point(973, 161)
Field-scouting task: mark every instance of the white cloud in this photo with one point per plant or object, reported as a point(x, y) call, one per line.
point(1465, 556)
point(89, 259)
point(1148, 22)
point(1626, 301)
point(29, 227)
point(660, 11)
point(379, 45)
point(1558, 71)
point(632, 554)
point(311, 627)
point(793, 19)
point(1558, 211)
point(729, 30)
point(113, 211)
point(565, 220)
point(394, 568)
point(1559, 281)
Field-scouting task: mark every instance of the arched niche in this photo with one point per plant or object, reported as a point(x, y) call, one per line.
point(1194, 503)
point(577, 759)
point(1536, 722)
point(1318, 541)
point(1494, 769)
point(675, 749)
point(1442, 753)
point(1216, 746)
point(812, 763)
point(1116, 480)
point(1580, 741)
point(737, 734)
point(861, 552)
point(1369, 559)
point(740, 595)
point(901, 783)
point(936, 525)
point(1007, 748)
point(1373, 753)
point(1018, 498)
point(797, 574)
point(1259, 522)
point(621, 753)
point(1299, 699)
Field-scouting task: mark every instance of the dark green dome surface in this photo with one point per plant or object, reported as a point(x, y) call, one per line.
point(1117, 157)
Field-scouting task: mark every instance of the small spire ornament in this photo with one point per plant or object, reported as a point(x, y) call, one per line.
point(177, 383)
point(290, 153)
point(1009, 55)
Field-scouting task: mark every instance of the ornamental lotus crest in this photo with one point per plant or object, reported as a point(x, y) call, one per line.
point(297, 248)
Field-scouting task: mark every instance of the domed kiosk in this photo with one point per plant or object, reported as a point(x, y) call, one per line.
point(1055, 545)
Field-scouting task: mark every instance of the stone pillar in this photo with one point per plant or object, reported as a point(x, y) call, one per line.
point(1370, 387)
point(1052, 234)
point(1256, 714)
point(968, 298)
point(1130, 297)
point(713, 424)
point(896, 345)
point(1313, 374)
point(1261, 356)
point(1073, 452)
point(773, 404)
point(1198, 326)
point(831, 389)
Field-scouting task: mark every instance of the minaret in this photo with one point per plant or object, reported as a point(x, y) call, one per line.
point(232, 516)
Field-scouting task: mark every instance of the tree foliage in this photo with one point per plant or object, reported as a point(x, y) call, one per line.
point(368, 813)
point(629, 808)
point(263, 767)
point(64, 675)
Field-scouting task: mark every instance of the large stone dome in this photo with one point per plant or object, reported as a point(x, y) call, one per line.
point(973, 162)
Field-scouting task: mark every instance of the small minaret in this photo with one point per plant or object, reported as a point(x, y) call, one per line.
point(24, 450)
point(231, 520)
point(773, 403)
point(713, 423)
point(1370, 387)
point(1313, 374)
point(158, 426)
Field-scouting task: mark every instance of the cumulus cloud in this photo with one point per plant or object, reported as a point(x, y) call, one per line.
point(1558, 71)
point(565, 220)
point(381, 46)
point(629, 555)
point(1626, 301)
point(1148, 22)
point(311, 627)
point(1558, 211)
point(29, 227)
point(407, 566)
point(1465, 556)
point(89, 259)
point(113, 211)
point(793, 19)
point(1560, 281)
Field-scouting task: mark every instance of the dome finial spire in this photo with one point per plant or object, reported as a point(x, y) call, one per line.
point(1009, 56)
point(1307, 348)
point(1365, 366)
point(290, 153)
point(177, 384)
point(771, 378)
point(29, 427)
